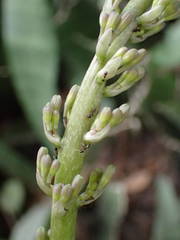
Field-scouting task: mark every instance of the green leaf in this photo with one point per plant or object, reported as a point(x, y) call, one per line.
point(26, 227)
point(167, 53)
point(12, 196)
point(167, 218)
point(32, 50)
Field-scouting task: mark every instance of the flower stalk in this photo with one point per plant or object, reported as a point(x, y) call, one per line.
point(84, 123)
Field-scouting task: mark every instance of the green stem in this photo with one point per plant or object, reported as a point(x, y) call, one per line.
point(72, 153)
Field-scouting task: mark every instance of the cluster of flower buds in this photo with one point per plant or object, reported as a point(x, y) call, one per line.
point(154, 19)
point(121, 61)
point(112, 24)
point(98, 180)
point(125, 81)
point(46, 170)
point(105, 121)
point(51, 117)
point(42, 234)
point(65, 195)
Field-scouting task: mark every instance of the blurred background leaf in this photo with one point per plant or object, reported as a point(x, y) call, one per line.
point(167, 217)
point(33, 54)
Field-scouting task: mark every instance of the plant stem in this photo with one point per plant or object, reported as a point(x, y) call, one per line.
point(72, 154)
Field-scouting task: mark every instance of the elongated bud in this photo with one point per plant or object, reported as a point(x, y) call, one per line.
point(57, 188)
point(113, 20)
point(41, 234)
point(42, 151)
point(152, 15)
point(55, 120)
point(116, 4)
point(93, 136)
point(126, 80)
point(77, 184)
point(56, 102)
point(172, 11)
point(106, 177)
point(130, 55)
point(45, 165)
point(103, 19)
point(103, 44)
point(47, 116)
point(103, 118)
point(126, 19)
point(66, 194)
point(69, 102)
point(119, 114)
point(53, 170)
point(120, 52)
point(109, 70)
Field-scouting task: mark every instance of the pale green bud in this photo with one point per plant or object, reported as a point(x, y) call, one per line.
point(116, 4)
point(106, 177)
point(103, 119)
point(120, 52)
point(45, 165)
point(43, 185)
point(103, 19)
point(69, 102)
point(119, 114)
point(53, 170)
point(41, 234)
point(47, 116)
point(109, 70)
point(57, 188)
point(56, 102)
point(55, 120)
point(103, 44)
point(126, 80)
point(152, 15)
point(172, 11)
point(126, 19)
point(42, 151)
point(77, 184)
point(92, 184)
point(113, 20)
point(66, 194)
point(129, 56)
point(93, 136)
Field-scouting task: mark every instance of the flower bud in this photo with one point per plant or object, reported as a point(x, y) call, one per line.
point(93, 136)
point(69, 102)
point(47, 116)
point(55, 120)
point(126, 19)
point(126, 80)
point(56, 102)
point(120, 52)
point(45, 165)
point(113, 20)
point(53, 170)
point(151, 15)
point(103, 19)
point(77, 184)
point(109, 70)
point(103, 119)
point(119, 114)
point(130, 56)
point(66, 194)
point(106, 177)
point(103, 44)
point(42, 151)
point(57, 188)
